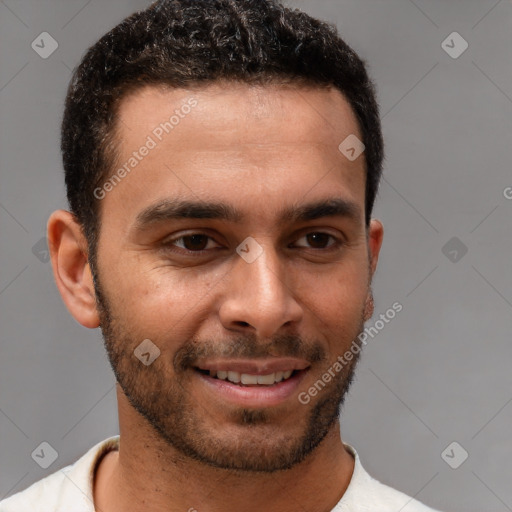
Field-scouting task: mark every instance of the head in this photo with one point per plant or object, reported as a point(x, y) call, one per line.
point(213, 213)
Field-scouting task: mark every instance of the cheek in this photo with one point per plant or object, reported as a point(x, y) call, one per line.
point(160, 303)
point(336, 299)
point(338, 305)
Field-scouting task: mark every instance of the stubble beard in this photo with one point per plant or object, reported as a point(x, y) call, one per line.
point(253, 442)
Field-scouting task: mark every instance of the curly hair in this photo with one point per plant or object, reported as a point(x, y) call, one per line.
point(183, 43)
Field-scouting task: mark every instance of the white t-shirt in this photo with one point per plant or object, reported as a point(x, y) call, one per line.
point(70, 489)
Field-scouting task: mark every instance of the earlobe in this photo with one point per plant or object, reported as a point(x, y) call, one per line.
point(68, 252)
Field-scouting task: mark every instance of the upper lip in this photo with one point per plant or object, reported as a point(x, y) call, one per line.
point(254, 366)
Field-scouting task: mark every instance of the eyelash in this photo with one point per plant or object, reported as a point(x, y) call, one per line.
point(169, 245)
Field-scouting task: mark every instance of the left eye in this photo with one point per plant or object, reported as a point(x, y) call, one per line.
point(196, 242)
point(318, 240)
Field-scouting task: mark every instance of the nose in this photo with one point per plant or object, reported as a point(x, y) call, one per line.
point(259, 297)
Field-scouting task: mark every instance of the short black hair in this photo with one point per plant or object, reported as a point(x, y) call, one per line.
point(186, 43)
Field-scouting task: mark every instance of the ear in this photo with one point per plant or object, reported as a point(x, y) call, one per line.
point(375, 237)
point(68, 253)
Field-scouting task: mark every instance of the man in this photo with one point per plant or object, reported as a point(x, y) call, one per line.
point(222, 159)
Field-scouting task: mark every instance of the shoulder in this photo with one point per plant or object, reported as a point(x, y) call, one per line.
point(366, 494)
point(67, 490)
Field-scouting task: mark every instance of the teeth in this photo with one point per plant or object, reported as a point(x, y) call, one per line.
point(234, 377)
point(248, 379)
point(267, 379)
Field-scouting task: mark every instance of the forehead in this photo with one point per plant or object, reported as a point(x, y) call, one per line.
point(229, 141)
point(311, 113)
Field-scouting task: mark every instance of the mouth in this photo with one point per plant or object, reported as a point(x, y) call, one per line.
point(254, 384)
point(248, 379)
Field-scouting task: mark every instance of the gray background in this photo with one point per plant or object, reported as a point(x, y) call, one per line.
point(437, 373)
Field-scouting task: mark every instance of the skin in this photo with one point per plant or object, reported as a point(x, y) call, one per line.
point(258, 149)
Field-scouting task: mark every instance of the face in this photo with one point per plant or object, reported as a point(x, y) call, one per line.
point(237, 245)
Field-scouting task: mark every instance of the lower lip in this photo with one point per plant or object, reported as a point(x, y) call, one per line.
point(254, 396)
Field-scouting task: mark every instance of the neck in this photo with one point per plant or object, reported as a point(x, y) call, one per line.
point(148, 474)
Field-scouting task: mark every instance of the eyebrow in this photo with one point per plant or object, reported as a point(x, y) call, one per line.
point(169, 210)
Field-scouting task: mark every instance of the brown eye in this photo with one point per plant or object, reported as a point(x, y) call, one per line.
point(318, 240)
point(191, 244)
point(195, 242)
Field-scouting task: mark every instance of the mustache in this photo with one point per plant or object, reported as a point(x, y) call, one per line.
point(248, 347)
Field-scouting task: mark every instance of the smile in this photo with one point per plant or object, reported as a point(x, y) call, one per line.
point(252, 383)
point(248, 379)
